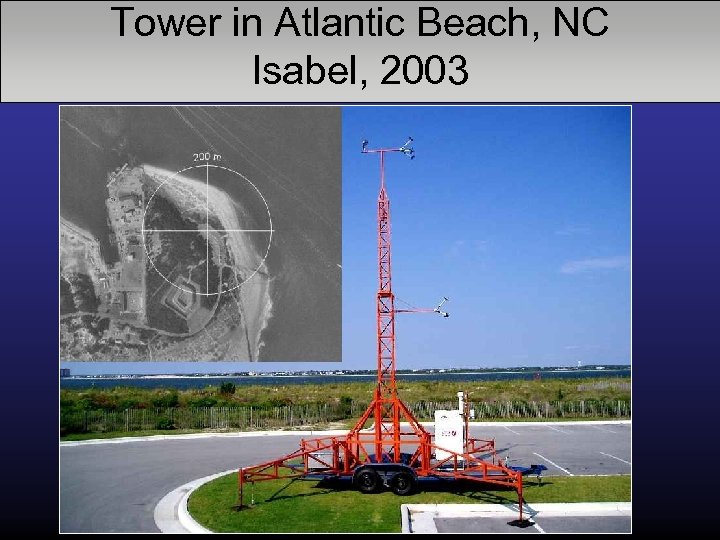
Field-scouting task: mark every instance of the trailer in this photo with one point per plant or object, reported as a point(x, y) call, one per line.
point(388, 449)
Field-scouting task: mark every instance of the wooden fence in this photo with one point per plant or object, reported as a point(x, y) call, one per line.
point(290, 416)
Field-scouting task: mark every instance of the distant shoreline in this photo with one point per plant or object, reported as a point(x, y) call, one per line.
point(203, 381)
point(441, 371)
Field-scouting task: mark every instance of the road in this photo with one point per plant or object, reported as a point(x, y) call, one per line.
point(114, 487)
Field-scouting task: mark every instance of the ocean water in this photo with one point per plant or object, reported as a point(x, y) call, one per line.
point(187, 382)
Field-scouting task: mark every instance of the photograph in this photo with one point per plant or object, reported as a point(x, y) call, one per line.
point(200, 233)
point(486, 347)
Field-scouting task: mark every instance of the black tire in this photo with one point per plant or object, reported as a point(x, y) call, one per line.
point(403, 483)
point(367, 481)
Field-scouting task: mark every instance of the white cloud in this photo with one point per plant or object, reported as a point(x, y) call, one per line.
point(461, 247)
point(573, 230)
point(620, 262)
point(457, 247)
point(482, 245)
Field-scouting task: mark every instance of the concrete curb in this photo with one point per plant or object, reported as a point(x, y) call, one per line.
point(171, 514)
point(188, 436)
point(559, 423)
point(330, 433)
point(419, 518)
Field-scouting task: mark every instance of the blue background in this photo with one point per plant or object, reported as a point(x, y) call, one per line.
point(675, 300)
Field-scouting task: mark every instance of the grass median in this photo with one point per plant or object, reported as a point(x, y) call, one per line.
point(312, 506)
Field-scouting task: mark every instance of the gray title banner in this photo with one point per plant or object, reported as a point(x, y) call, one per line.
point(343, 51)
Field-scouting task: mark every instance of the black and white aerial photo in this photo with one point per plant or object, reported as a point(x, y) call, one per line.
point(200, 233)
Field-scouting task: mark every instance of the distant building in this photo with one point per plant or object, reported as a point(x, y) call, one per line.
point(64, 372)
point(133, 301)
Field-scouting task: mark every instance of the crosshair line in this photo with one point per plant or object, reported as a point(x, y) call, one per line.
point(207, 228)
point(214, 230)
point(163, 178)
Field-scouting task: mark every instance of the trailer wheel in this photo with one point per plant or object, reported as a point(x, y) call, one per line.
point(403, 483)
point(367, 481)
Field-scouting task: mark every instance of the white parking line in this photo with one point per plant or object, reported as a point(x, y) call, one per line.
point(554, 464)
point(615, 457)
point(539, 528)
point(511, 430)
point(560, 430)
point(604, 429)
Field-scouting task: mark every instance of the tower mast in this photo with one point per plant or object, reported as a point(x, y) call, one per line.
point(373, 457)
point(387, 409)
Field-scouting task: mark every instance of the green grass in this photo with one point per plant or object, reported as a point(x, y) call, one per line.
point(314, 406)
point(309, 506)
point(118, 434)
point(119, 398)
point(170, 432)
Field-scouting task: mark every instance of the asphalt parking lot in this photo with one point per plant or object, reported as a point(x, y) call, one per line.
point(114, 486)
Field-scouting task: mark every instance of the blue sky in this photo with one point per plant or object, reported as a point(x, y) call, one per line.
point(520, 215)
